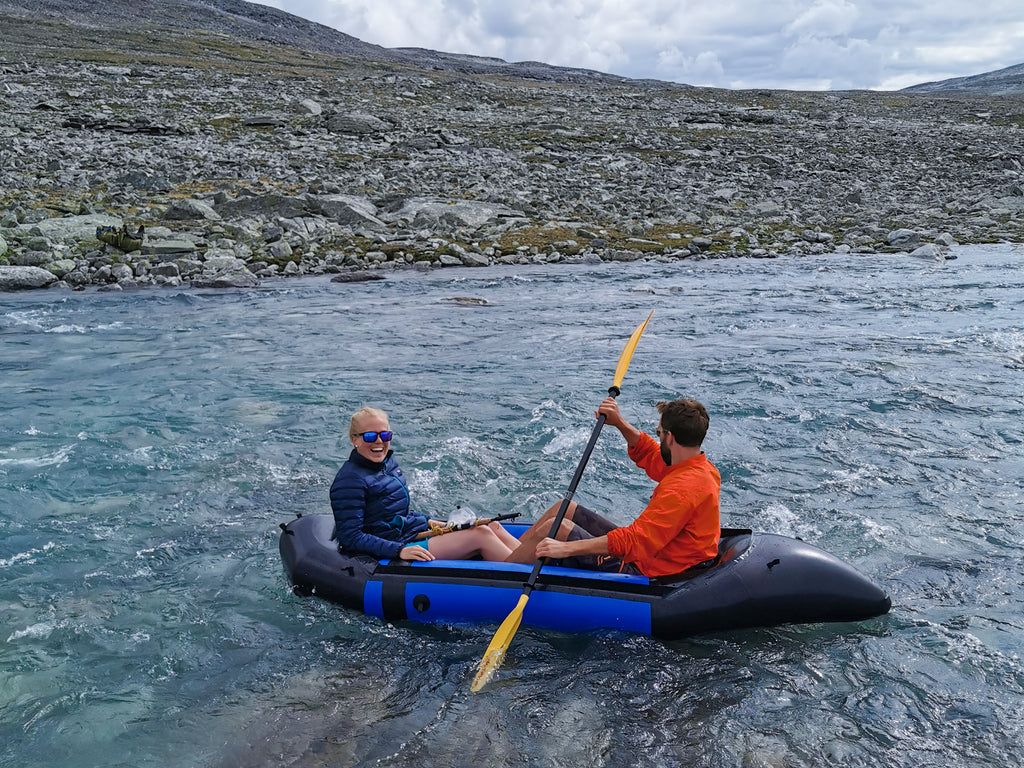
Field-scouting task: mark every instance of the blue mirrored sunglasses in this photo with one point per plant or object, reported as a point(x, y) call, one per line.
point(371, 437)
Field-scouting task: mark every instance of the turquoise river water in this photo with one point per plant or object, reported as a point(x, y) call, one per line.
point(152, 442)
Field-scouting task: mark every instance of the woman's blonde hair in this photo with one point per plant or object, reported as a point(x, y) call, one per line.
point(362, 413)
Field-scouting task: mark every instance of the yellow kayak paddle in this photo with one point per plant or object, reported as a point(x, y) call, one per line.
point(503, 637)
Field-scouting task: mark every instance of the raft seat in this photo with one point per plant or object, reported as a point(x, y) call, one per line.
point(732, 544)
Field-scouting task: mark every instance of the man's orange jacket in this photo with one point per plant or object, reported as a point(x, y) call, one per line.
point(680, 527)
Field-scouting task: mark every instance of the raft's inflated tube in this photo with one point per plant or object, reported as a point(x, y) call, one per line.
point(760, 580)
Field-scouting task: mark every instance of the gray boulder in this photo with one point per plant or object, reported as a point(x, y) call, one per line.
point(241, 278)
point(928, 251)
point(21, 278)
point(623, 255)
point(434, 212)
point(280, 250)
point(903, 238)
point(358, 123)
point(264, 121)
point(166, 269)
point(225, 272)
point(121, 272)
point(191, 209)
point(31, 258)
point(61, 267)
point(170, 247)
point(285, 206)
point(71, 228)
point(77, 278)
point(189, 267)
point(470, 259)
point(347, 210)
point(221, 263)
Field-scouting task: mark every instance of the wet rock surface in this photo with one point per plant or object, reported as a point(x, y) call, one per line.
point(245, 160)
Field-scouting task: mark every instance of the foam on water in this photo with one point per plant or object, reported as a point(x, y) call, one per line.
point(54, 459)
point(28, 558)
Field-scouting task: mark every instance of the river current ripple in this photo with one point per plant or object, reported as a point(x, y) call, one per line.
point(153, 441)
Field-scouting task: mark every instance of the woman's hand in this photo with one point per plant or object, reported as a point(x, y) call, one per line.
point(415, 552)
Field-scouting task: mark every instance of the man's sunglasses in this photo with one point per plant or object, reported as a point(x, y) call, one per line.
point(371, 437)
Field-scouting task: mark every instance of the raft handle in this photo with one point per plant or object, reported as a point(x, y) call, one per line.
point(284, 527)
point(773, 563)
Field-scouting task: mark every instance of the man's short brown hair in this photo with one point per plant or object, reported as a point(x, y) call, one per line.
point(686, 419)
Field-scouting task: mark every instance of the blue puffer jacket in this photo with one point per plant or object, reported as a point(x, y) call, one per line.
point(371, 507)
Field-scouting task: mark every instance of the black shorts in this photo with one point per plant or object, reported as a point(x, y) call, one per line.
point(587, 524)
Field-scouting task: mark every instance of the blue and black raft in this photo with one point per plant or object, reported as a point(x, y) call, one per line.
point(758, 580)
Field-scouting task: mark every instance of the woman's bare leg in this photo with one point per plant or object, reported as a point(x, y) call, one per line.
point(506, 538)
point(460, 545)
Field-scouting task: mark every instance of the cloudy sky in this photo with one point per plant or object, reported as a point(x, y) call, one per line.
point(795, 44)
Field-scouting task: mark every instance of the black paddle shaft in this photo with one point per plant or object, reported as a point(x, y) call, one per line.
point(613, 391)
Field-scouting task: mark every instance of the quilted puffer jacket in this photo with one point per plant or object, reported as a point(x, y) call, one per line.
point(371, 507)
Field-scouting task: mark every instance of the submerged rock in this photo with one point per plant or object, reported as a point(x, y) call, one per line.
point(929, 251)
point(356, 277)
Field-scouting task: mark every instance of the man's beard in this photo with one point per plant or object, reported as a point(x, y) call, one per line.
point(666, 455)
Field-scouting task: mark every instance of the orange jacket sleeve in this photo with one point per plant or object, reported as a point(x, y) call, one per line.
point(646, 454)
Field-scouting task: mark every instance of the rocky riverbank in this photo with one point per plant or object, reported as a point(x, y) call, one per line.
point(245, 161)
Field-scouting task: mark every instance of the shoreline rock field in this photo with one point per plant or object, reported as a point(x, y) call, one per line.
point(246, 161)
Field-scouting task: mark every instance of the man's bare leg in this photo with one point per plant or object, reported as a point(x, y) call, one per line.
point(526, 551)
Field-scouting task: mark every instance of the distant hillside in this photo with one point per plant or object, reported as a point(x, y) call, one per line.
point(1002, 82)
point(252, 144)
point(243, 21)
point(226, 17)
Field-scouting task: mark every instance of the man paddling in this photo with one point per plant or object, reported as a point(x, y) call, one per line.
point(679, 528)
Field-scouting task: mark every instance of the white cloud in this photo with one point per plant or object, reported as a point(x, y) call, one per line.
point(731, 43)
point(676, 66)
point(839, 64)
point(826, 18)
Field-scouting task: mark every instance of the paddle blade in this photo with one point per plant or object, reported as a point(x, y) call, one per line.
point(502, 639)
point(627, 353)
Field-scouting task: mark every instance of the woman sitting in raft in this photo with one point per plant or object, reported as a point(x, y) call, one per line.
point(371, 506)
